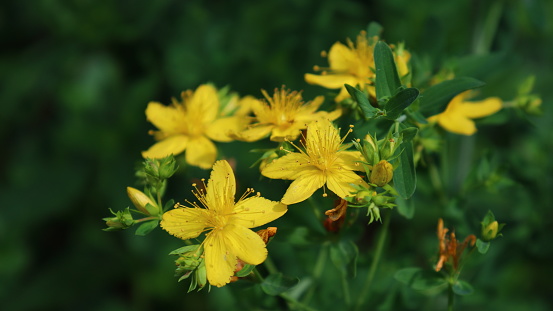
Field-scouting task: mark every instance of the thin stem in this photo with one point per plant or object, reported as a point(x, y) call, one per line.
point(270, 266)
point(450, 297)
point(345, 288)
point(146, 219)
point(378, 254)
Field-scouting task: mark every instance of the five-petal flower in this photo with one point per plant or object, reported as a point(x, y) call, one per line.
point(229, 237)
point(324, 161)
point(191, 125)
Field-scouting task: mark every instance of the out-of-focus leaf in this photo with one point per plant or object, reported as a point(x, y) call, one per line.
point(462, 288)
point(436, 97)
point(276, 284)
point(344, 257)
point(147, 227)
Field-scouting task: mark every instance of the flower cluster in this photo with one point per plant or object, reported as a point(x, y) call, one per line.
point(372, 83)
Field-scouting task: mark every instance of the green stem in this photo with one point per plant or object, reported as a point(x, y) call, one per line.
point(487, 29)
point(270, 265)
point(450, 297)
point(345, 288)
point(378, 254)
point(145, 219)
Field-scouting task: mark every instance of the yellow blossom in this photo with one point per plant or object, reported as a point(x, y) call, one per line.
point(191, 125)
point(354, 65)
point(283, 116)
point(324, 161)
point(229, 237)
point(458, 115)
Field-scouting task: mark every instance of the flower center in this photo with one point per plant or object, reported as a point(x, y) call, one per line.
point(283, 107)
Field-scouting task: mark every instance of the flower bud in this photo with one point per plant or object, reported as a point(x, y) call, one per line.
point(142, 202)
point(382, 173)
point(490, 231)
point(122, 220)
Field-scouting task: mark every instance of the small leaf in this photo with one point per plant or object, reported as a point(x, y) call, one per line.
point(247, 269)
point(387, 81)
point(147, 227)
point(400, 101)
point(415, 115)
point(419, 279)
point(407, 275)
point(184, 249)
point(374, 30)
point(482, 246)
point(276, 284)
point(363, 101)
point(408, 133)
point(462, 288)
point(436, 97)
point(405, 178)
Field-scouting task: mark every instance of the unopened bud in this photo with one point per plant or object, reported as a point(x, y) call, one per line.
point(490, 231)
point(122, 220)
point(142, 202)
point(382, 173)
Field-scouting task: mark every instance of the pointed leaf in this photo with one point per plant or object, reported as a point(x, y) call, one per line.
point(147, 227)
point(344, 257)
point(482, 246)
point(400, 101)
point(405, 208)
point(247, 269)
point(405, 178)
point(387, 79)
point(276, 284)
point(436, 97)
point(363, 101)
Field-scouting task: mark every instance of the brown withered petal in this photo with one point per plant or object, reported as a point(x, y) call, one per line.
point(267, 234)
point(339, 211)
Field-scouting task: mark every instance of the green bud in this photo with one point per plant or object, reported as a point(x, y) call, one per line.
point(122, 220)
point(160, 168)
point(370, 147)
point(382, 173)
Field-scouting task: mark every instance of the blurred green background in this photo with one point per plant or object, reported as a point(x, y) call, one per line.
point(76, 76)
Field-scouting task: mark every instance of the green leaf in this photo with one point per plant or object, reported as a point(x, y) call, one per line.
point(344, 257)
point(405, 208)
point(276, 284)
point(436, 97)
point(482, 246)
point(387, 79)
point(415, 115)
point(405, 178)
point(184, 249)
point(408, 133)
point(419, 279)
point(462, 288)
point(374, 29)
point(363, 101)
point(147, 227)
point(247, 269)
point(399, 102)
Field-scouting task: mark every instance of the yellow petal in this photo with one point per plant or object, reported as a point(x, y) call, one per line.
point(303, 187)
point(457, 124)
point(330, 81)
point(204, 103)
point(167, 119)
point(245, 244)
point(340, 182)
point(290, 132)
point(340, 57)
point(170, 145)
point(220, 129)
point(221, 188)
point(220, 262)
point(201, 152)
point(310, 107)
point(185, 223)
point(349, 160)
point(257, 211)
point(253, 133)
point(480, 109)
point(322, 138)
point(290, 166)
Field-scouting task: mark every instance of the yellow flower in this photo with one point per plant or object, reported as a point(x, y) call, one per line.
point(191, 125)
point(457, 116)
point(229, 237)
point(283, 116)
point(354, 65)
point(324, 161)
